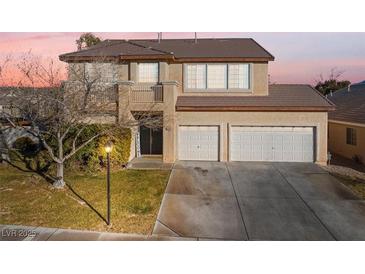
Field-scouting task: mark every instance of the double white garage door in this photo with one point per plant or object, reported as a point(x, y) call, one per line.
point(278, 144)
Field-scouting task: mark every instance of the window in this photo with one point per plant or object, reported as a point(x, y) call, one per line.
point(102, 72)
point(217, 76)
point(351, 136)
point(238, 76)
point(148, 72)
point(196, 76)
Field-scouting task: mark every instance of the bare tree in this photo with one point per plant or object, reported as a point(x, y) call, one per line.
point(60, 112)
point(4, 65)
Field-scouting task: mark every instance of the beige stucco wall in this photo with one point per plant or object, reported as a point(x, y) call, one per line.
point(115, 72)
point(337, 140)
point(224, 120)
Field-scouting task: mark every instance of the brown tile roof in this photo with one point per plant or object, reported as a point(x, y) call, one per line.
point(280, 98)
point(176, 49)
point(350, 105)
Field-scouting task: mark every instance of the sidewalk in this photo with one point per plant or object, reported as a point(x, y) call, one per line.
point(29, 233)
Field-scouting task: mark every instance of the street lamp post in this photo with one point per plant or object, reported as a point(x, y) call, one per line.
point(108, 149)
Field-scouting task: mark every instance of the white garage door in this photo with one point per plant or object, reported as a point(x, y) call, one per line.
point(198, 143)
point(278, 144)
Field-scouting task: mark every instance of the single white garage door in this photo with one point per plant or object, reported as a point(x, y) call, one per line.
point(198, 143)
point(278, 144)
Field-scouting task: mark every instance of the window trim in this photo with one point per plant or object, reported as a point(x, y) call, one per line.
point(219, 90)
point(351, 136)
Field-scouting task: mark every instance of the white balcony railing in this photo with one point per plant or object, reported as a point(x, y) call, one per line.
point(147, 94)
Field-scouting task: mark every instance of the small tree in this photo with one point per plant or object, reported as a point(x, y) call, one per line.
point(87, 40)
point(59, 113)
point(331, 83)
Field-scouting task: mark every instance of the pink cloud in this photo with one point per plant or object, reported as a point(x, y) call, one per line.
point(308, 71)
point(300, 57)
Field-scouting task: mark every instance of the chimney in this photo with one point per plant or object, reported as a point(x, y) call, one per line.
point(159, 35)
point(196, 38)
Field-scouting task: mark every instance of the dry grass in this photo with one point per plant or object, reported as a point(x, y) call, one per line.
point(27, 199)
point(355, 184)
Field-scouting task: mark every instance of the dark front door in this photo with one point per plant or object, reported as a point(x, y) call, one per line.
point(151, 141)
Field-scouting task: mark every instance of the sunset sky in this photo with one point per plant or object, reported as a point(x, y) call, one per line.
point(299, 57)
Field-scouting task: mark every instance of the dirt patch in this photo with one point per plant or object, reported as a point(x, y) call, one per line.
point(353, 179)
point(345, 171)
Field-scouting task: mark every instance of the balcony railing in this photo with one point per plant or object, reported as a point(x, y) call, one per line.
point(147, 94)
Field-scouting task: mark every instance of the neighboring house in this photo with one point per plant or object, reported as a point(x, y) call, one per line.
point(347, 123)
point(215, 99)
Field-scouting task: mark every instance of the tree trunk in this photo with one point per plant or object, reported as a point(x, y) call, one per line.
point(59, 182)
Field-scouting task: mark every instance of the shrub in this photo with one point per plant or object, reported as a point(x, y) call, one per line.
point(26, 147)
point(29, 154)
point(357, 159)
point(90, 158)
point(93, 157)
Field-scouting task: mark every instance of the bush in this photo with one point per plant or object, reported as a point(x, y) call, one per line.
point(90, 158)
point(26, 147)
point(93, 157)
point(29, 154)
point(357, 159)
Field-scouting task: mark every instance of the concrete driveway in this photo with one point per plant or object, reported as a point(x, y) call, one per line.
point(258, 201)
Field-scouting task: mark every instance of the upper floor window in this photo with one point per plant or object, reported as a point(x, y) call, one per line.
point(148, 72)
point(351, 136)
point(239, 76)
point(96, 72)
point(196, 76)
point(217, 76)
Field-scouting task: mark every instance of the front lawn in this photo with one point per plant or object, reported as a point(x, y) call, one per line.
point(26, 199)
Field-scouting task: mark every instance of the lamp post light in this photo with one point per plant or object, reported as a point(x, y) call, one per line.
point(108, 149)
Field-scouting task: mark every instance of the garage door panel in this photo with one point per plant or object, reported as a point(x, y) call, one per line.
point(200, 143)
point(288, 144)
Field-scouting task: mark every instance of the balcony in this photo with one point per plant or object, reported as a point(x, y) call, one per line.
point(146, 93)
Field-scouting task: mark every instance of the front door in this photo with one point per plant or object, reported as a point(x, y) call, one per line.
point(151, 141)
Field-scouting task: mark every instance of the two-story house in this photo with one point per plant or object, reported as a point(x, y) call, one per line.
point(215, 99)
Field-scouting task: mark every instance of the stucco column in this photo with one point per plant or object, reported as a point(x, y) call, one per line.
point(124, 112)
point(169, 121)
point(123, 103)
point(133, 72)
point(164, 71)
point(322, 142)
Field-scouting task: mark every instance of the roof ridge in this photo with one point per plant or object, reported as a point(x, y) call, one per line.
point(219, 38)
point(98, 45)
point(151, 48)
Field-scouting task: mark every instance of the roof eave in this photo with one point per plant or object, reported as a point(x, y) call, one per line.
point(224, 59)
point(257, 108)
point(68, 58)
point(73, 58)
